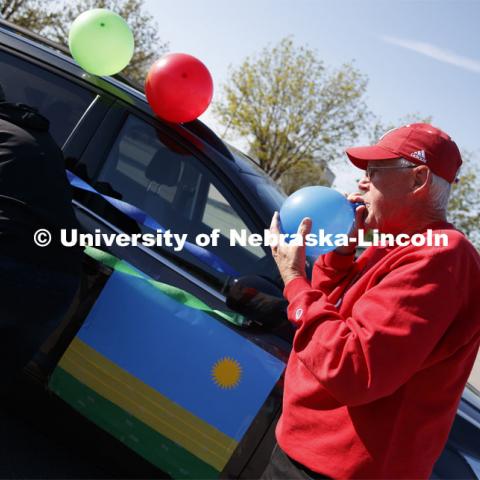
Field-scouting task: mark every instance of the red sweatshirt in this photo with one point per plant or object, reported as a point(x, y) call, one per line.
point(383, 348)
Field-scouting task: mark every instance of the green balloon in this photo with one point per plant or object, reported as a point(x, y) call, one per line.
point(101, 42)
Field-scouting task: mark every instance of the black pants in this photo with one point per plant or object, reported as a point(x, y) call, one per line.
point(33, 301)
point(282, 467)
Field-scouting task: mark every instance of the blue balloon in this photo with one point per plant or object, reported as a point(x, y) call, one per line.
point(329, 210)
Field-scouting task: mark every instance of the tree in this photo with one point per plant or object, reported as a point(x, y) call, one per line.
point(53, 19)
point(464, 205)
point(304, 173)
point(35, 15)
point(290, 109)
point(379, 128)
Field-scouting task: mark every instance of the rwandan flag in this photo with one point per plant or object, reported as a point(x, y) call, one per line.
point(169, 380)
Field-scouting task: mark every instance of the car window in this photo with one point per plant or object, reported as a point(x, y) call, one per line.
point(55, 97)
point(146, 169)
point(219, 214)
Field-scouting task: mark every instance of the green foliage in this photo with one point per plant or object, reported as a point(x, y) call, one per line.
point(379, 128)
point(291, 109)
point(306, 172)
point(53, 19)
point(34, 15)
point(464, 205)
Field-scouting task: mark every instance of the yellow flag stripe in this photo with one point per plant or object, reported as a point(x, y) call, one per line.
point(148, 405)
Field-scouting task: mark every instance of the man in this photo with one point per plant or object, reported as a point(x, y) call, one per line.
point(384, 345)
point(37, 284)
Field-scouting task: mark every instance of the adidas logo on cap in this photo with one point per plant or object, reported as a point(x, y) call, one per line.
point(419, 155)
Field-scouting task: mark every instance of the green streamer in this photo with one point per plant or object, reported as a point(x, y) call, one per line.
point(177, 294)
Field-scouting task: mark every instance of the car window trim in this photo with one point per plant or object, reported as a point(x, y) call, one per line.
point(468, 418)
point(472, 396)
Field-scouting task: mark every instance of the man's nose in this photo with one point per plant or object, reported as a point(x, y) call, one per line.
point(364, 183)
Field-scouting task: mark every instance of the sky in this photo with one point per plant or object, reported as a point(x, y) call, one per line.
point(421, 57)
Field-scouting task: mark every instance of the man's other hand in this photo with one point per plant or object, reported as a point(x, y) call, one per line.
point(290, 258)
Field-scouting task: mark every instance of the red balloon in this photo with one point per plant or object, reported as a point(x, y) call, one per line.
point(179, 87)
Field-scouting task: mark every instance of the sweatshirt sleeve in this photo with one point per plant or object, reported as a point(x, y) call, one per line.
point(393, 328)
point(330, 269)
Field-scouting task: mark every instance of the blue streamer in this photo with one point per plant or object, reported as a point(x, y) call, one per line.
point(146, 220)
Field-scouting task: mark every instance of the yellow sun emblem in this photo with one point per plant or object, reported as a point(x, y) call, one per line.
point(226, 373)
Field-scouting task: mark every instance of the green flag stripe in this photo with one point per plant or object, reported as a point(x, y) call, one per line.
point(154, 447)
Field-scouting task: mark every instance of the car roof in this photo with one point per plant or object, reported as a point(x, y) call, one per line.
point(118, 85)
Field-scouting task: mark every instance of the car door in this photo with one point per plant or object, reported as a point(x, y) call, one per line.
point(159, 361)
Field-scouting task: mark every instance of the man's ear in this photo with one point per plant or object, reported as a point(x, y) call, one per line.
point(422, 177)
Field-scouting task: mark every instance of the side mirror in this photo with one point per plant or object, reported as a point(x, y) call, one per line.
point(259, 299)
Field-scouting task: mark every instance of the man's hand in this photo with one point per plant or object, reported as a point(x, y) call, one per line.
point(290, 259)
point(358, 224)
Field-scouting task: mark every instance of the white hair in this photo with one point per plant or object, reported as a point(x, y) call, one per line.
point(439, 189)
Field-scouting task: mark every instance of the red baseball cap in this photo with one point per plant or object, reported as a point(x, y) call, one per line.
point(420, 143)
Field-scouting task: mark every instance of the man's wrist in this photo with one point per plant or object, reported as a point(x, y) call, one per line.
point(287, 278)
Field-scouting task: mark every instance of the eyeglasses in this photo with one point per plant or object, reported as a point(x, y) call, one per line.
point(370, 170)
